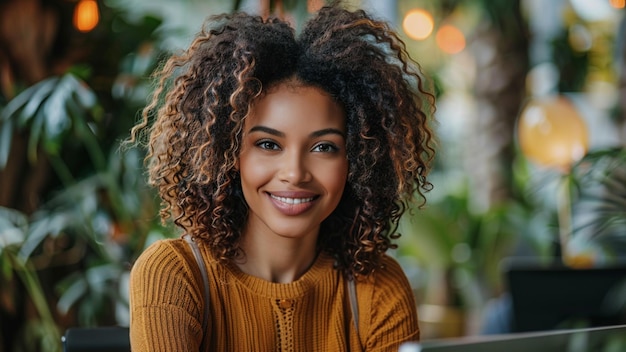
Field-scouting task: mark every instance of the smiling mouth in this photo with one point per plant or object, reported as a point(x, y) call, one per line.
point(294, 201)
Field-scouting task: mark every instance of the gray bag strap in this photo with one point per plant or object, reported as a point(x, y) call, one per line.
point(353, 303)
point(205, 279)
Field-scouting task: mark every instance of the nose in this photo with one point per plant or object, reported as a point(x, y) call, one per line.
point(294, 168)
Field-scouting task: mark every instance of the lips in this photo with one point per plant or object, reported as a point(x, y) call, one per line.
point(293, 203)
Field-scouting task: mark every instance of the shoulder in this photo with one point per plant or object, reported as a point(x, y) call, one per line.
point(165, 253)
point(165, 296)
point(166, 272)
point(385, 284)
point(390, 272)
point(167, 259)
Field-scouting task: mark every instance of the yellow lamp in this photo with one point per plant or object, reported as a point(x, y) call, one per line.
point(552, 133)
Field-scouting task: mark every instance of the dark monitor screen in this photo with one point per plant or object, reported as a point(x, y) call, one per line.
point(546, 297)
point(601, 339)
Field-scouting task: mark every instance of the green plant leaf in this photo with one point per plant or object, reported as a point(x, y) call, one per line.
point(6, 137)
point(99, 277)
point(49, 224)
point(6, 269)
point(72, 294)
point(18, 102)
point(599, 205)
point(36, 130)
point(38, 98)
point(57, 119)
point(82, 71)
point(83, 94)
point(14, 216)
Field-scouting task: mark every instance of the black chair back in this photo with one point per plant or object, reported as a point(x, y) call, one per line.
point(98, 339)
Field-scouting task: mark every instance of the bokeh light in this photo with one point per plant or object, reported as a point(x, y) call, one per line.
point(450, 39)
point(86, 15)
point(580, 38)
point(593, 10)
point(418, 24)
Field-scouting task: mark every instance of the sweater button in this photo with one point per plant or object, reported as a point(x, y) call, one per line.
point(285, 303)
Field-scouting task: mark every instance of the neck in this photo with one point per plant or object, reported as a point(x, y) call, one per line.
point(277, 259)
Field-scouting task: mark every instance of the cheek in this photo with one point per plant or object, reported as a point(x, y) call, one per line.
point(252, 173)
point(335, 178)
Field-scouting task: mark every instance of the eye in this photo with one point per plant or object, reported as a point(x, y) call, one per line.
point(267, 144)
point(325, 148)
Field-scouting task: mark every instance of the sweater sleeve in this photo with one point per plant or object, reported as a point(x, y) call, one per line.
point(389, 309)
point(165, 300)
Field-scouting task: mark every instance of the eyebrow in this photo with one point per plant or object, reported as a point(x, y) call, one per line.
point(314, 134)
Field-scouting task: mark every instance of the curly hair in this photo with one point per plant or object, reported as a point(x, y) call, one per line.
point(204, 94)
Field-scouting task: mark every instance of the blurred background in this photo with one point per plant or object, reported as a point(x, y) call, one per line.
point(531, 165)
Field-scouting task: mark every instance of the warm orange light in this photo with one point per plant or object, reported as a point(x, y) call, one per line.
point(86, 15)
point(418, 24)
point(618, 4)
point(552, 133)
point(450, 39)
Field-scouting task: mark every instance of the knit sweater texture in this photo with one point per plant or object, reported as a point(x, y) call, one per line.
point(251, 314)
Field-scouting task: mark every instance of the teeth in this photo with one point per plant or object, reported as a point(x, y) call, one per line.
point(292, 200)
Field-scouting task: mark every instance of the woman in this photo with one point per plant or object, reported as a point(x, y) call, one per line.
point(288, 160)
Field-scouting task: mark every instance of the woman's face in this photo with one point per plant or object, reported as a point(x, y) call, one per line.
point(293, 162)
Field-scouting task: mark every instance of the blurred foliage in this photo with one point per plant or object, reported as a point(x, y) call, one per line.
point(65, 264)
point(452, 238)
point(48, 110)
point(447, 238)
point(598, 186)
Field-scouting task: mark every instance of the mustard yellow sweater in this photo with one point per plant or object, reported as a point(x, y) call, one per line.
point(251, 314)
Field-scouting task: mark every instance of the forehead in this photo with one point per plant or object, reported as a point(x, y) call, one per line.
point(290, 103)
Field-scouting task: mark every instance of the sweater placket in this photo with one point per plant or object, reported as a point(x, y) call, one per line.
point(284, 312)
